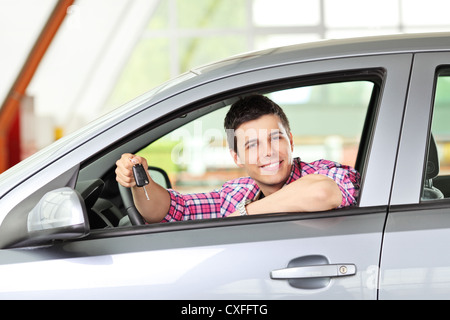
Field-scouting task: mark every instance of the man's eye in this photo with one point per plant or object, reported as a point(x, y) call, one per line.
point(251, 145)
point(276, 137)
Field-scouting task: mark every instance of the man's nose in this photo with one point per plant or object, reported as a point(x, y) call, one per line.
point(267, 149)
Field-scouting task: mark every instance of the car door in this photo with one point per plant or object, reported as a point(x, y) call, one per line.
point(415, 263)
point(321, 255)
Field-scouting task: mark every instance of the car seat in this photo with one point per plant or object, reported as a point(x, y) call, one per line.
point(432, 171)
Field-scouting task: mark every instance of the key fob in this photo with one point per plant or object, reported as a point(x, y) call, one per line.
point(140, 176)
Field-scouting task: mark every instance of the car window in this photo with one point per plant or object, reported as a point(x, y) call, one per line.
point(437, 174)
point(326, 120)
point(331, 117)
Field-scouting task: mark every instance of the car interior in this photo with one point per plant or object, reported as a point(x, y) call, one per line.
point(430, 192)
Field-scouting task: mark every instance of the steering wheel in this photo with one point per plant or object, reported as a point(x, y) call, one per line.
point(132, 212)
point(160, 177)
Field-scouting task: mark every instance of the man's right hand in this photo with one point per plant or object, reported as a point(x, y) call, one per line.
point(154, 208)
point(124, 171)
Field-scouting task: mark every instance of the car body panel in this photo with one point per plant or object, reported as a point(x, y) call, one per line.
point(413, 144)
point(415, 262)
point(182, 264)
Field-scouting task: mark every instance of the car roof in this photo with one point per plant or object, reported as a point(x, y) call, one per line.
point(314, 51)
point(332, 48)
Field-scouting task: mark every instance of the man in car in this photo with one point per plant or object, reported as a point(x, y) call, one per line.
point(261, 142)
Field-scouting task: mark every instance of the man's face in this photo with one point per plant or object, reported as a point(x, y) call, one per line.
point(265, 152)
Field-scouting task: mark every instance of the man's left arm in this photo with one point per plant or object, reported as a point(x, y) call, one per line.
point(325, 190)
point(313, 192)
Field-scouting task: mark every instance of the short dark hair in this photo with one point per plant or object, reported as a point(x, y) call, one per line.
point(251, 108)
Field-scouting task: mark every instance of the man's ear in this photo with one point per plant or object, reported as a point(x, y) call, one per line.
point(236, 158)
point(291, 140)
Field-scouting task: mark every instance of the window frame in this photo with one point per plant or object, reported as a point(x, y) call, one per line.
point(375, 75)
point(443, 69)
point(367, 124)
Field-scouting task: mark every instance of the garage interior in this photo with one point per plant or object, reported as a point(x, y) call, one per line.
point(65, 63)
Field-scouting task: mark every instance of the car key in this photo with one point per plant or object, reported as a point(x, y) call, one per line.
point(140, 176)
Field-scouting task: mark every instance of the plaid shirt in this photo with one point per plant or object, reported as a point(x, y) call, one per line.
point(223, 201)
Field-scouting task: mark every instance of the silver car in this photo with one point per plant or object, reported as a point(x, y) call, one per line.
point(382, 105)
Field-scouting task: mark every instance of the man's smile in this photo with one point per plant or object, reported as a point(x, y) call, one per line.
point(272, 166)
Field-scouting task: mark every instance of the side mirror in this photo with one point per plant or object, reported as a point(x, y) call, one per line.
point(59, 215)
point(160, 177)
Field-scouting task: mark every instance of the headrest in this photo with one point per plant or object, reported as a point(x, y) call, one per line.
point(432, 160)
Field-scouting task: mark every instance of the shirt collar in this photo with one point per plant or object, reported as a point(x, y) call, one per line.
point(296, 171)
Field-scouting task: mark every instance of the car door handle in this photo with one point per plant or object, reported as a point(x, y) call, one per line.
point(318, 271)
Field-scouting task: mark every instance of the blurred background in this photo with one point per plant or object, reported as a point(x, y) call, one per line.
point(65, 63)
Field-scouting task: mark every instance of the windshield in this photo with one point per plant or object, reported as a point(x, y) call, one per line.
point(27, 167)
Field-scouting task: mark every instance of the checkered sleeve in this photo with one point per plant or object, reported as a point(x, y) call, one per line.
point(234, 191)
point(345, 177)
point(215, 204)
point(193, 206)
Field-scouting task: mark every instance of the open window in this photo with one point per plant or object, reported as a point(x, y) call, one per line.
point(327, 122)
point(331, 117)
